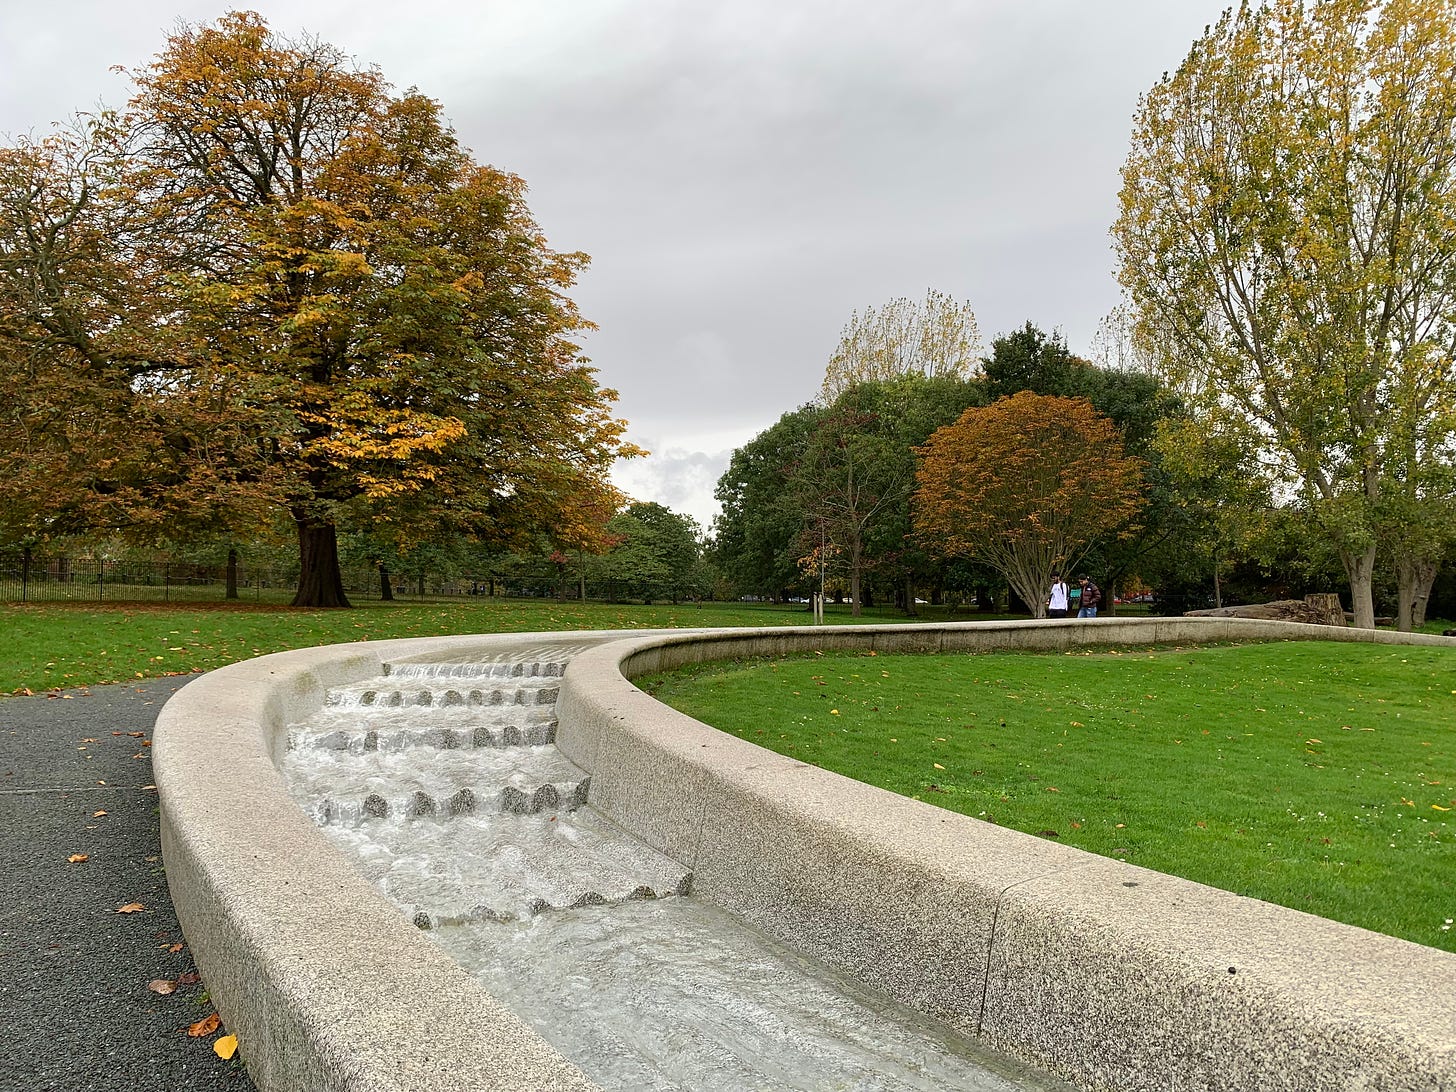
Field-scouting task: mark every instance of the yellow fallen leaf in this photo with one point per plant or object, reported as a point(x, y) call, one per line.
point(1078, 724)
point(1439, 808)
point(834, 712)
point(226, 1046)
point(1407, 803)
point(77, 858)
point(1052, 788)
point(1313, 741)
point(97, 814)
point(937, 765)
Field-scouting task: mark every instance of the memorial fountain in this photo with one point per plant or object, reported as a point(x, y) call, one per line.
point(441, 781)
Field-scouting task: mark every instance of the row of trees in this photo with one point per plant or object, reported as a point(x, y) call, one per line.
point(872, 487)
point(273, 285)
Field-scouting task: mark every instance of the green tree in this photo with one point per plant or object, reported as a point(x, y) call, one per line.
point(1286, 247)
point(757, 534)
point(657, 553)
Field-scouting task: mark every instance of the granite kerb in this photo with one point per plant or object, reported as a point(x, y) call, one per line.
point(326, 985)
point(1104, 973)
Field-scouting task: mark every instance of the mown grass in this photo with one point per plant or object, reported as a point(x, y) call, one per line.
point(59, 645)
point(1317, 776)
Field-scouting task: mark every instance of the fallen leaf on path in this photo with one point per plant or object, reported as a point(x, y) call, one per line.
point(176, 947)
point(23, 691)
point(162, 986)
point(205, 1026)
point(97, 814)
point(226, 1046)
point(77, 858)
point(130, 908)
point(189, 979)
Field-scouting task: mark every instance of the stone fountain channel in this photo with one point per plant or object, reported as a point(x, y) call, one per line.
point(442, 783)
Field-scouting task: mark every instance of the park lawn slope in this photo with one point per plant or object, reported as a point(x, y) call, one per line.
point(1316, 775)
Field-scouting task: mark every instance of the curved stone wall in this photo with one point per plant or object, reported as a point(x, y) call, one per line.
point(1110, 975)
point(1106, 974)
point(326, 985)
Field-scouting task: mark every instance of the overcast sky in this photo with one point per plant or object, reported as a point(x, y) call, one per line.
point(744, 174)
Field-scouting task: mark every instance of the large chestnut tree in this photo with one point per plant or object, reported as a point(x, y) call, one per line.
point(273, 283)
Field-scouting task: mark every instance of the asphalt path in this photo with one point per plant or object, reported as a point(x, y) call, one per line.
point(75, 1009)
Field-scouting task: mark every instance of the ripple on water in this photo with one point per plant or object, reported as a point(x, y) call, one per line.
point(674, 994)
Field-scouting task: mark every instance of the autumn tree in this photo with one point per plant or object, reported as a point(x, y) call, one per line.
point(1025, 485)
point(297, 281)
point(104, 431)
point(933, 337)
point(1285, 242)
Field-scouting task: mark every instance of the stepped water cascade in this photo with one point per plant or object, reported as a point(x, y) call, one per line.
point(442, 783)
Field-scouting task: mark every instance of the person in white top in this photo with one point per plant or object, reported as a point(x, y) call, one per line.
point(1057, 600)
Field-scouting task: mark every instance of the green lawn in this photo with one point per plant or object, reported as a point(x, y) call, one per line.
point(49, 645)
point(1316, 775)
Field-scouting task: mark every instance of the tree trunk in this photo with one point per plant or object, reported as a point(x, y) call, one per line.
point(386, 589)
point(232, 575)
point(581, 575)
point(320, 583)
point(855, 579)
point(420, 583)
point(1413, 581)
point(1425, 580)
point(910, 610)
point(1360, 568)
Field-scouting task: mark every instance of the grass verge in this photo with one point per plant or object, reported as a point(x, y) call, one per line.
point(62, 645)
point(1318, 776)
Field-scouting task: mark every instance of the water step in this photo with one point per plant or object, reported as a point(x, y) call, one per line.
point(527, 733)
point(466, 800)
point(388, 696)
point(512, 867)
point(424, 919)
point(503, 670)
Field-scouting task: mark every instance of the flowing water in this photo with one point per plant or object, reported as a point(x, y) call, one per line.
point(442, 783)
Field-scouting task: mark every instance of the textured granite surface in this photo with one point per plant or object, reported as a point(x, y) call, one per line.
point(1108, 975)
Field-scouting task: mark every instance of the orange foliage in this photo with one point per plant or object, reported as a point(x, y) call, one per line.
point(1025, 485)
